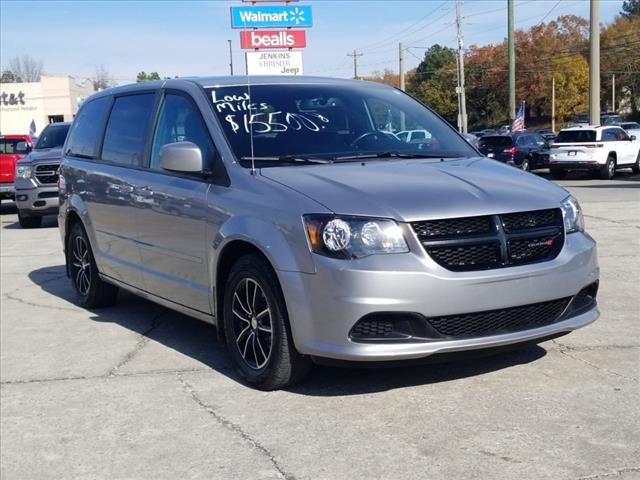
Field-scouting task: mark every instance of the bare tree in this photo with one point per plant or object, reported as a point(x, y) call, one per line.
point(102, 79)
point(25, 68)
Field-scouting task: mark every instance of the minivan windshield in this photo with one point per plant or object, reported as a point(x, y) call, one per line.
point(287, 123)
point(53, 136)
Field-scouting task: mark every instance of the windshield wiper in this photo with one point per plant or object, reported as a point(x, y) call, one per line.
point(389, 154)
point(288, 159)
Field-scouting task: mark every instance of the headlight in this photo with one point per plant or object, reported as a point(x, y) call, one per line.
point(353, 237)
point(572, 214)
point(24, 171)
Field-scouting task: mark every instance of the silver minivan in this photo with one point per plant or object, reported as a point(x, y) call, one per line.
point(282, 211)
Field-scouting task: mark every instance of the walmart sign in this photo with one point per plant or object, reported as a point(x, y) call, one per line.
point(280, 16)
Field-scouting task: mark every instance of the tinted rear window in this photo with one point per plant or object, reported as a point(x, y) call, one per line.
point(83, 137)
point(576, 136)
point(495, 142)
point(126, 136)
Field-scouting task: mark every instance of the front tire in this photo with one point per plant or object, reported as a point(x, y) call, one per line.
point(609, 169)
point(29, 222)
point(257, 327)
point(91, 290)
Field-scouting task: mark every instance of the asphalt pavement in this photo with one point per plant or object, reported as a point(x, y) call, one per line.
point(137, 391)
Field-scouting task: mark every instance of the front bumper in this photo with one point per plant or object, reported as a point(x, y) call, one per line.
point(37, 201)
point(323, 307)
point(7, 189)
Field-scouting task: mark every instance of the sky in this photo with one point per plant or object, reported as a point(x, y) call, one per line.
point(188, 38)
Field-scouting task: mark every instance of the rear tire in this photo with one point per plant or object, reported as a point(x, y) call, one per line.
point(558, 173)
point(609, 169)
point(257, 327)
point(526, 165)
point(91, 290)
point(636, 166)
point(29, 222)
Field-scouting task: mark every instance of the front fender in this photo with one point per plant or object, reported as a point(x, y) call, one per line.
point(284, 244)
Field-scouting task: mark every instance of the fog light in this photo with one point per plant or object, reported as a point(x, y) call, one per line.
point(22, 198)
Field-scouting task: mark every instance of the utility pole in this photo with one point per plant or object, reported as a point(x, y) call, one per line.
point(230, 58)
point(401, 66)
point(613, 92)
point(553, 104)
point(512, 62)
point(403, 118)
point(594, 63)
point(355, 56)
point(463, 101)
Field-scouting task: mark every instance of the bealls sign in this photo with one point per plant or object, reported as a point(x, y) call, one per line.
point(255, 39)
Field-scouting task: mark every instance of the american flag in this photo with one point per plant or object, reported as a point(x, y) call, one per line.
point(518, 122)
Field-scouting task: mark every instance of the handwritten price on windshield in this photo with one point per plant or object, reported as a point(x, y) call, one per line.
point(276, 122)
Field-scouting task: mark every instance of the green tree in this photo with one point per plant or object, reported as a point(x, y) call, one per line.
point(143, 76)
point(434, 59)
point(630, 8)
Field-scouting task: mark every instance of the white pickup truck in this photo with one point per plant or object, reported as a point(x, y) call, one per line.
point(601, 149)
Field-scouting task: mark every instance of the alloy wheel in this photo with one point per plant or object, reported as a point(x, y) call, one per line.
point(252, 323)
point(81, 265)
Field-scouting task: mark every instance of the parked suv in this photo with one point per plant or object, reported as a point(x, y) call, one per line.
point(525, 150)
point(600, 150)
point(12, 149)
point(37, 177)
point(278, 213)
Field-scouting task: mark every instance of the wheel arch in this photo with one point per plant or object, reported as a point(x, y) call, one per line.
point(229, 254)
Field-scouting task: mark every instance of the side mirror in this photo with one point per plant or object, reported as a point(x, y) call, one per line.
point(183, 157)
point(633, 137)
point(21, 147)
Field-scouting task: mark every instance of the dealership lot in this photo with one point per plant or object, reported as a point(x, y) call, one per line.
point(137, 391)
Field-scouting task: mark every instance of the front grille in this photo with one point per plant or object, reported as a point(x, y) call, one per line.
point(492, 241)
point(467, 257)
point(47, 174)
point(499, 321)
point(455, 226)
point(528, 220)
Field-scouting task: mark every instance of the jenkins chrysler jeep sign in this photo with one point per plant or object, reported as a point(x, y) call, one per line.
point(254, 39)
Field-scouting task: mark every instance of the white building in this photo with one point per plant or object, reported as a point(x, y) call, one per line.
point(29, 107)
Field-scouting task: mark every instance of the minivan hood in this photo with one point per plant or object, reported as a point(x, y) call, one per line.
point(44, 155)
point(410, 190)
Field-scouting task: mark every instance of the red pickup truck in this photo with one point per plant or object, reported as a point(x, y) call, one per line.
point(9, 155)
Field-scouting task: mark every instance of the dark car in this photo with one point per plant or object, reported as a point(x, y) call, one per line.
point(547, 134)
point(527, 151)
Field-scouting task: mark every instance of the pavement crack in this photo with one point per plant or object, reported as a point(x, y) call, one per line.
point(617, 473)
point(143, 339)
point(566, 350)
point(11, 296)
point(235, 428)
point(101, 377)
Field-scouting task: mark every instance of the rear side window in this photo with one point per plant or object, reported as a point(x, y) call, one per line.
point(495, 142)
point(610, 135)
point(576, 136)
point(125, 138)
point(9, 146)
point(86, 129)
